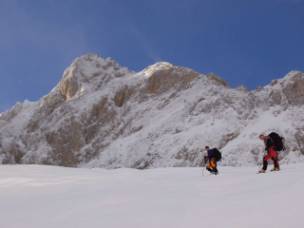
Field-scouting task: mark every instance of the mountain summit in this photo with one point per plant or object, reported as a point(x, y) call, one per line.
point(103, 115)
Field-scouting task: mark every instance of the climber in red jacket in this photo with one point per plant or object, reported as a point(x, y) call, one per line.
point(271, 153)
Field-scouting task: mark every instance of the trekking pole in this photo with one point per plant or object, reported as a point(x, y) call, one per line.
point(203, 168)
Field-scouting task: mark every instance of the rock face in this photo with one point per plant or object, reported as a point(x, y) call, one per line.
point(164, 76)
point(101, 114)
point(294, 89)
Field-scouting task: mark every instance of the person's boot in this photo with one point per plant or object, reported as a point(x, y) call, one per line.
point(276, 166)
point(215, 172)
point(262, 171)
point(265, 164)
point(275, 169)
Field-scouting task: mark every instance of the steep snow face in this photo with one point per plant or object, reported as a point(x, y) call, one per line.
point(101, 114)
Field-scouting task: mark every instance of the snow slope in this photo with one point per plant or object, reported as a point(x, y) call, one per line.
point(43, 196)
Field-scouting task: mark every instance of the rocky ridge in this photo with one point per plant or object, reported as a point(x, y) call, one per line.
point(103, 115)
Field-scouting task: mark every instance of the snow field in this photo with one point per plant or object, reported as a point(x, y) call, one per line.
point(44, 196)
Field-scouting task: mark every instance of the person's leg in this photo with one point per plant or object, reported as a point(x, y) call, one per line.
point(276, 165)
point(274, 157)
point(265, 162)
point(209, 166)
point(213, 166)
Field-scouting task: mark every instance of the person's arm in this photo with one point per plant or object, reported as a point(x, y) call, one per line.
point(205, 155)
point(206, 159)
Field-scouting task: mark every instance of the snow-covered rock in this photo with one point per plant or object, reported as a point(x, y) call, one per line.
point(101, 114)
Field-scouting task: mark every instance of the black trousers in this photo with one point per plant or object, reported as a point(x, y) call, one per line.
point(275, 163)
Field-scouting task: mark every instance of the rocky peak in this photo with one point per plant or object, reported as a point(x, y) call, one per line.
point(163, 76)
point(157, 68)
point(88, 73)
point(217, 79)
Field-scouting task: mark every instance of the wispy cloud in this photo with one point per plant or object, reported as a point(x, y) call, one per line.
point(144, 42)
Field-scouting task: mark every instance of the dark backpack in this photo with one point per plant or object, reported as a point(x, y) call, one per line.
point(216, 154)
point(277, 140)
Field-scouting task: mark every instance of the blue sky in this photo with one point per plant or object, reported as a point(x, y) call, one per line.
point(247, 42)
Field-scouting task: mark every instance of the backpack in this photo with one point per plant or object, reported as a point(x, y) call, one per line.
point(217, 154)
point(277, 140)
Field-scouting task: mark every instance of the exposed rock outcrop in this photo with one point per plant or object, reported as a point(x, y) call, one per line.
point(101, 114)
point(164, 76)
point(294, 89)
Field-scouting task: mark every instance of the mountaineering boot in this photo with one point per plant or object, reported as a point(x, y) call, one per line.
point(212, 171)
point(262, 171)
point(215, 172)
point(275, 169)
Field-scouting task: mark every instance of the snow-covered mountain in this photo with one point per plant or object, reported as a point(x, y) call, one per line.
point(102, 115)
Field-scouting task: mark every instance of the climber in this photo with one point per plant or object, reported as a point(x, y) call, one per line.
point(273, 143)
point(211, 157)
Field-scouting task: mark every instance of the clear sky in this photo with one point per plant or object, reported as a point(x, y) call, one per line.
point(246, 42)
